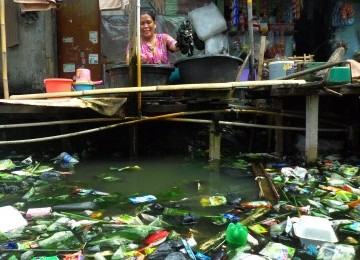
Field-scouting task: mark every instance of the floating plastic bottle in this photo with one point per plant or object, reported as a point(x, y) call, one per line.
point(236, 234)
point(66, 158)
point(256, 204)
point(60, 240)
point(76, 206)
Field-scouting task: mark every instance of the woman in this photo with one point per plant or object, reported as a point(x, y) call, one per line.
point(155, 47)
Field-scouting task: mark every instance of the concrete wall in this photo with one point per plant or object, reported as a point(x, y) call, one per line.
point(350, 34)
point(34, 58)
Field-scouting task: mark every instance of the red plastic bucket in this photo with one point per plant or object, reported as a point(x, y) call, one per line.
point(58, 85)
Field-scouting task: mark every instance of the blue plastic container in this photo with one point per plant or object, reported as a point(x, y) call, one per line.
point(83, 86)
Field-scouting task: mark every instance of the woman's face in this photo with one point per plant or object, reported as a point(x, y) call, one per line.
point(147, 26)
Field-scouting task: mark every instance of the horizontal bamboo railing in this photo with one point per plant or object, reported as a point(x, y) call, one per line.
point(199, 86)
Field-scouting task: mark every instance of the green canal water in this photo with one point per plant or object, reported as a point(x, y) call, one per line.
point(176, 181)
point(191, 180)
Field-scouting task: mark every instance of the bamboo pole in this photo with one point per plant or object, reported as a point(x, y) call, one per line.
point(89, 131)
point(59, 122)
point(138, 51)
point(170, 117)
point(290, 128)
point(232, 110)
point(240, 71)
point(3, 48)
point(200, 86)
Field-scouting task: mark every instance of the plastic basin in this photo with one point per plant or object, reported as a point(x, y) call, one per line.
point(79, 86)
point(58, 85)
point(54, 85)
point(314, 230)
point(208, 69)
point(151, 75)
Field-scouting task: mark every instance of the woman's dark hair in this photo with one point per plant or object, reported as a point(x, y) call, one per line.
point(148, 12)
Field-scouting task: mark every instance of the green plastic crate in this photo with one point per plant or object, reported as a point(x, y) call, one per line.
point(310, 65)
point(340, 74)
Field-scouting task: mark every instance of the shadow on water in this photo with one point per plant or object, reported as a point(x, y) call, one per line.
point(157, 175)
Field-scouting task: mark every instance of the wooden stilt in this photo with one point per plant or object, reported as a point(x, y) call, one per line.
point(65, 142)
point(133, 145)
point(270, 121)
point(214, 143)
point(279, 142)
point(312, 124)
point(352, 138)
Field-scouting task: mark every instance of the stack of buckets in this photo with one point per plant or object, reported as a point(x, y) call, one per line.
point(83, 82)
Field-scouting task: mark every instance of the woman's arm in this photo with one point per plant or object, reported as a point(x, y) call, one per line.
point(171, 44)
point(173, 47)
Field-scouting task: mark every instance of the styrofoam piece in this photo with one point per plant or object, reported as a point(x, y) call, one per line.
point(314, 230)
point(11, 218)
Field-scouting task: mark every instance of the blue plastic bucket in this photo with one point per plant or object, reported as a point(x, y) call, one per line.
point(83, 86)
point(279, 69)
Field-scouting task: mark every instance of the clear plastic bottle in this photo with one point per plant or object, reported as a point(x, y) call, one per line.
point(277, 229)
point(60, 240)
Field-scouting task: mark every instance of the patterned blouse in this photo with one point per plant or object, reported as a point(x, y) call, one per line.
point(158, 54)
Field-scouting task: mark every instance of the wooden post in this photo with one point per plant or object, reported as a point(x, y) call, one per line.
point(251, 37)
point(65, 142)
point(3, 48)
point(214, 142)
point(261, 56)
point(352, 138)
point(312, 124)
point(50, 53)
point(279, 142)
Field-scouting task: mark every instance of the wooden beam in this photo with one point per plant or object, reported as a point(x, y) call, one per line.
point(261, 56)
point(266, 186)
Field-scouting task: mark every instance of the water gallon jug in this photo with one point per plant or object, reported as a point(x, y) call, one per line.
point(236, 234)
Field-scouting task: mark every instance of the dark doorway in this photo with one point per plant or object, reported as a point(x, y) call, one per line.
point(313, 31)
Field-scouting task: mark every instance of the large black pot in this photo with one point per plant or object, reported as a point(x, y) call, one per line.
point(151, 75)
point(208, 69)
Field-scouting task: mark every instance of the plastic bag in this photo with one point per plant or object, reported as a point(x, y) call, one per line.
point(217, 44)
point(207, 21)
point(330, 251)
point(277, 251)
